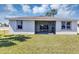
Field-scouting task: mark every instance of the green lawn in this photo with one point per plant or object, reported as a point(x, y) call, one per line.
point(39, 43)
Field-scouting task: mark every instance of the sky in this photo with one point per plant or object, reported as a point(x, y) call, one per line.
point(63, 10)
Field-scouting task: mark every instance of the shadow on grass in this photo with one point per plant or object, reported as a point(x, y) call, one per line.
point(6, 43)
point(15, 37)
point(7, 40)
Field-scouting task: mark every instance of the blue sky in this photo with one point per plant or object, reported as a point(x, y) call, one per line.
point(63, 10)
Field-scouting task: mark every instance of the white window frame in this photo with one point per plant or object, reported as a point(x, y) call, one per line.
point(21, 24)
point(66, 25)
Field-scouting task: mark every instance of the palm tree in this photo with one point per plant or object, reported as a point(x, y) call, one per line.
point(48, 14)
point(52, 12)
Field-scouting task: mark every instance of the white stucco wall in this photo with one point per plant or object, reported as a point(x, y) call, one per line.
point(72, 31)
point(28, 27)
point(77, 27)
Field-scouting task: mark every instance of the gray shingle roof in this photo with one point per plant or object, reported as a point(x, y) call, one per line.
point(39, 18)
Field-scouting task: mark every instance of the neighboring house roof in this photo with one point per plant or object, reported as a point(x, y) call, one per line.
point(40, 18)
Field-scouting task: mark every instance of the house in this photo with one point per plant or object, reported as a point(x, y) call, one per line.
point(42, 24)
point(78, 27)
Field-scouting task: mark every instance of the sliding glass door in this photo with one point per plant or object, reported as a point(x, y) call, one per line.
point(43, 28)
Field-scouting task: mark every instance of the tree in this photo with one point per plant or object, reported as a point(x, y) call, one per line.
point(52, 12)
point(0, 24)
point(48, 14)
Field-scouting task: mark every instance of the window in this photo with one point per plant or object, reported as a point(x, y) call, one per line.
point(63, 25)
point(43, 27)
point(19, 24)
point(66, 25)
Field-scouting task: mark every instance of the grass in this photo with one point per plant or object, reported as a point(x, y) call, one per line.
point(39, 43)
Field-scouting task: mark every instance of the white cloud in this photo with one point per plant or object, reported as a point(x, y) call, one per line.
point(42, 9)
point(55, 6)
point(26, 8)
point(36, 10)
point(65, 11)
point(9, 8)
point(45, 5)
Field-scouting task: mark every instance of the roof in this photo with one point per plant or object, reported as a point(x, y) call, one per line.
point(39, 18)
